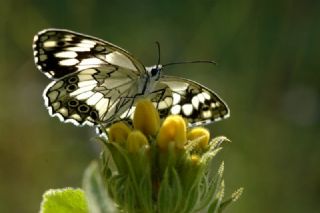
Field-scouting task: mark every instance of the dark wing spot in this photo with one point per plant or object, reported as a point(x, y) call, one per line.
point(83, 108)
point(73, 80)
point(60, 43)
point(73, 103)
point(205, 107)
point(94, 115)
point(71, 87)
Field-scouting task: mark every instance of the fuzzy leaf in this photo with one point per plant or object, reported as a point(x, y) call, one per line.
point(119, 157)
point(145, 189)
point(212, 188)
point(215, 206)
point(233, 198)
point(99, 200)
point(64, 201)
point(170, 193)
point(192, 198)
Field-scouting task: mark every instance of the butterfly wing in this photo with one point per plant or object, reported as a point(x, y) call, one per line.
point(191, 100)
point(179, 96)
point(160, 96)
point(58, 53)
point(95, 81)
point(91, 96)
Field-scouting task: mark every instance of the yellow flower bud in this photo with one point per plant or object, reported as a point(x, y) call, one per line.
point(174, 130)
point(136, 140)
point(146, 117)
point(201, 134)
point(195, 159)
point(119, 132)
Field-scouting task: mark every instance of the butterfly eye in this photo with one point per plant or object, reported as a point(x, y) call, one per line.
point(154, 72)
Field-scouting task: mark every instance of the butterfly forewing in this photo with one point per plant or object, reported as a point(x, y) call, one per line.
point(193, 101)
point(59, 53)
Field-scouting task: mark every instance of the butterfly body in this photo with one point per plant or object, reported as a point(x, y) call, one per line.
point(96, 82)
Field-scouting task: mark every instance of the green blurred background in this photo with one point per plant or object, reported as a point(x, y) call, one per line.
point(267, 72)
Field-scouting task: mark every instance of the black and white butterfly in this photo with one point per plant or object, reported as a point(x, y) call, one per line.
point(96, 82)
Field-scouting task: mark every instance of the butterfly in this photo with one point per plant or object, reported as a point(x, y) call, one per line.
point(95, 82)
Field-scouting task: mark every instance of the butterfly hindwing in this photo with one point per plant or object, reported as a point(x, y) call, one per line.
point(58, 53)
point(193, 101)
point(161, 97)
point(91, 96)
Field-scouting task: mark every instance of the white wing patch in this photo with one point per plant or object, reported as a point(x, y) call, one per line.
point(69, 62)
point(119, 59)
point(66, 54)
point(187, 109)
point(94, 99)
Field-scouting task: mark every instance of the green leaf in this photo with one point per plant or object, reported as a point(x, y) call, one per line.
point(119, 157)
point(145, 188)
point(210, 190)
point(215, 206)
point(191, 198)
point(64, 201)
point(98, 198)
point(233, 198)
point(170, 192)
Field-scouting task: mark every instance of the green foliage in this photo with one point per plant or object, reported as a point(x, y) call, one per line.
point(165, 182)
point(64, 201)
point(136, 188)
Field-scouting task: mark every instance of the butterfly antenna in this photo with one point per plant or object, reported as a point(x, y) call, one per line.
point(190, 62)
point(180, 62)
point(159, 52)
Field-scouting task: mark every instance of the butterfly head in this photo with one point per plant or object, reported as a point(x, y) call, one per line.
point(154, 72)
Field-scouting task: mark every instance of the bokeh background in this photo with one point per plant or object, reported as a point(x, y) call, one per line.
point(267, 72)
